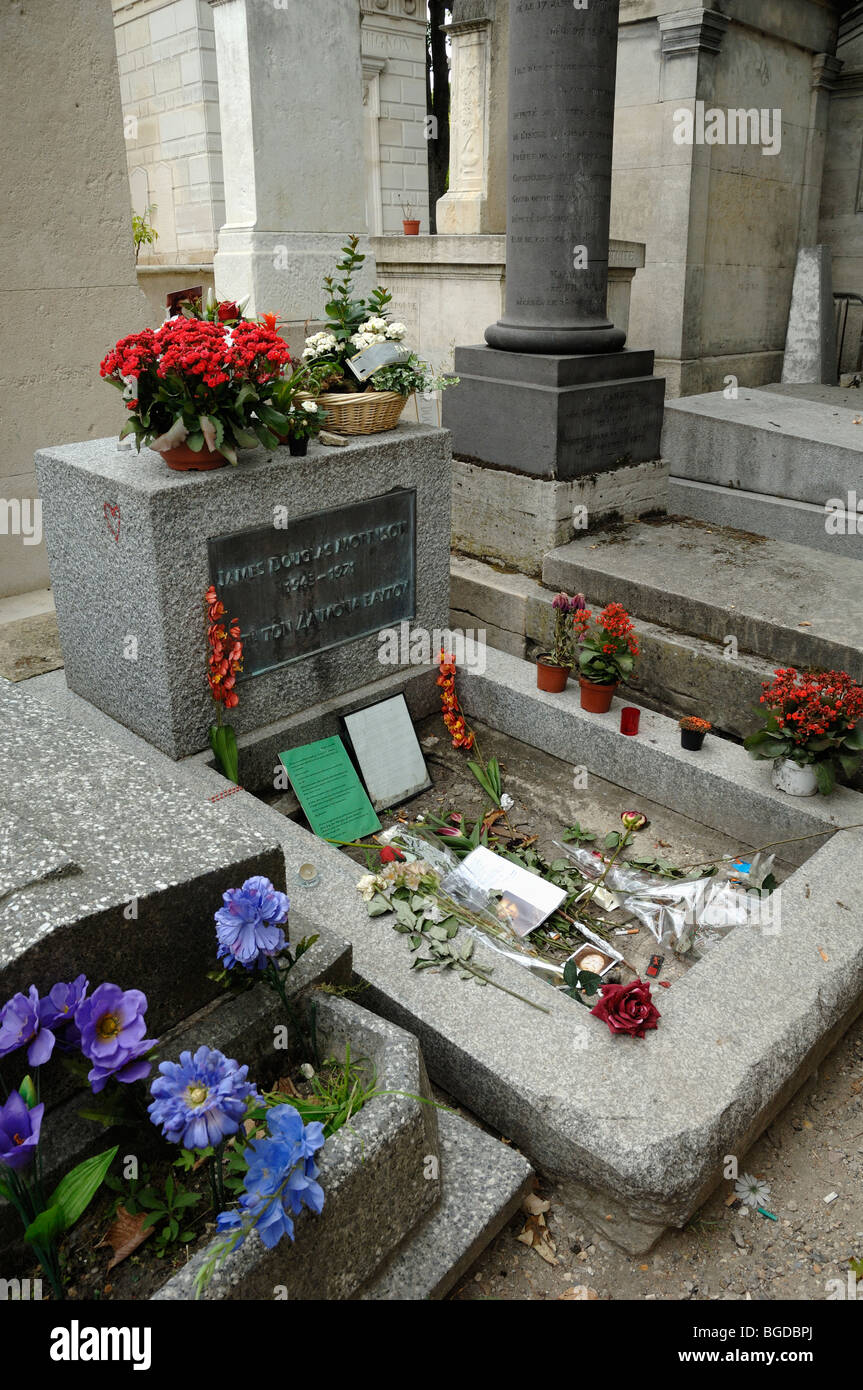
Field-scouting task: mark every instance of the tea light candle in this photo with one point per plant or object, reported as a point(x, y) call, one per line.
point(308, 875)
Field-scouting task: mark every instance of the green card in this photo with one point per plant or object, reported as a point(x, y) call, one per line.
point(329, 790)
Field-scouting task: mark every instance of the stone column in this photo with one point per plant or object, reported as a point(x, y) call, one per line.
point(291, 107)
point(561, 118)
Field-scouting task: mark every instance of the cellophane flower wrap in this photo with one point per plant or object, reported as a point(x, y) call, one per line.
point(199, 383)
point(812, 717)
point(607, 645)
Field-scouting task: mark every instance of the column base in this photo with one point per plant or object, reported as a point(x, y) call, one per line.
point(514, 337)
point(555, 416)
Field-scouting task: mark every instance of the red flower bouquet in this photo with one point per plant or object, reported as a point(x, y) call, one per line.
point(812, 718)
point(223, 663)
point(200, 384)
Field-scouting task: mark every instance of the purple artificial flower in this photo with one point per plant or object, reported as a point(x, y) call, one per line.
point(112, 1027)
point(202, 1099)
point(19, 1131)
point(58, 1010)
point(22, 1024)
point(248, 926)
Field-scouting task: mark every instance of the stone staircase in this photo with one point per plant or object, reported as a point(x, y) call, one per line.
point(745, 572)
point(769, 462)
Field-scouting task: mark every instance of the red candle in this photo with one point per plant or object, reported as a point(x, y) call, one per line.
point(629, 717)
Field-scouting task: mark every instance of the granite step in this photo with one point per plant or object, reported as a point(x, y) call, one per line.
point(483, 1183)
point(785, 603)
point(769, 461)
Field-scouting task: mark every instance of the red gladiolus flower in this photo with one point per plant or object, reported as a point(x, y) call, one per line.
point(226, 654)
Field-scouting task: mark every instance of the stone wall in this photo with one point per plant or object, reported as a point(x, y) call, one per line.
point(169, 87)
point(841, 226)
point(393, 40)
point(722, 223)
point(67, 265)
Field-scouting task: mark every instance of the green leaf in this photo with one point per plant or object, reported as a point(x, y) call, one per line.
point(854, 738)
point(379, 905)
point(27, 1092)
point(825, 776)
point(589, 982)
point(404, 916)
point(48, 1226)
point(74, 1193)
point(223, 742)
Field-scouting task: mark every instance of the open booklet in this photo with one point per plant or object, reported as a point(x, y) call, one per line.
point(515, 896)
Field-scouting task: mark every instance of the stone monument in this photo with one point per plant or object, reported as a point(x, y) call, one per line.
point(554, 393)
point(291, 107)
point(312, 556)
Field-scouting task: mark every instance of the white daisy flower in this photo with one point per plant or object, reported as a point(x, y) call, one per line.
point(753, 1191)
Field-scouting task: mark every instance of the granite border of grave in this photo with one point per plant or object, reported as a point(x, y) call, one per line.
point(377, 1180)
point(240, 1025)
point(147, 578)
point(136, 913)
point(638, 1128)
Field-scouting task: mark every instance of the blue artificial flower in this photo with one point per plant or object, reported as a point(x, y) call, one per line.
point(202, 1099)
point(112, 1027)
point(22, 1024)
point(248, 927)
point(19, 1131)
point(281, 1178)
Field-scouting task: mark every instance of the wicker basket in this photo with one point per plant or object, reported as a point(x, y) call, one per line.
point(362, 412)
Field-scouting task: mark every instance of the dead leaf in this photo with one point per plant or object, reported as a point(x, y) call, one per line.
point(581, 1293)
point(804, 624)
point(537, 1236)
point(286, 1087)
point(125, 1234)
point(535, 1206)
point(823, 954)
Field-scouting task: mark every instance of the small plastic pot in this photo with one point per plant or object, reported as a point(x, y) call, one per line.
point(551, 678)
point(692, 739)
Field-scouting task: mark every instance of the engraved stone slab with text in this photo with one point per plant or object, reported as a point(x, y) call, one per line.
point(326, 578)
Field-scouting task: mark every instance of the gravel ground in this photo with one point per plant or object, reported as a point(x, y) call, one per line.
point(812, 1149)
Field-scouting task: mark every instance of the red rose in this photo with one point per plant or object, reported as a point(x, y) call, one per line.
point(390, 855)
point(228, 310)
point(627, 1008)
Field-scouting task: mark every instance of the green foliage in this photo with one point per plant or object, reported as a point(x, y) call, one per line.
point(488, 777)
point(578, 834)
point(344, 311)
point(168, 1211)
point(70, 1199)
point(580, 983)
point(143, 231)
point(223, 742)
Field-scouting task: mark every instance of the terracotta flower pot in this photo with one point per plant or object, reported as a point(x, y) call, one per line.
point(551, 678)
point(691, 739)
point(184, 460)
point(411, 226)
point(596, 698)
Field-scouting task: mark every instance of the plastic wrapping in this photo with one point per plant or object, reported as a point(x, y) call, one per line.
point(675, 910)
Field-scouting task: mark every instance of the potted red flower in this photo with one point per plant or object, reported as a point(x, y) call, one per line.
point(813, 729)
point(553, 668)
point(693, 731)
point(608, 648)
point(197, 390)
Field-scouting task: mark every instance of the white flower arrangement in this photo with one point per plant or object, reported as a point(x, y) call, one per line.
point(318, 345)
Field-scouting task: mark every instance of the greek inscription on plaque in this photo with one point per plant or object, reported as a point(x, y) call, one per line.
point(321, 580)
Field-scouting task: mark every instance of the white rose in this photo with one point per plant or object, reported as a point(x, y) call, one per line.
point(311, 407)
